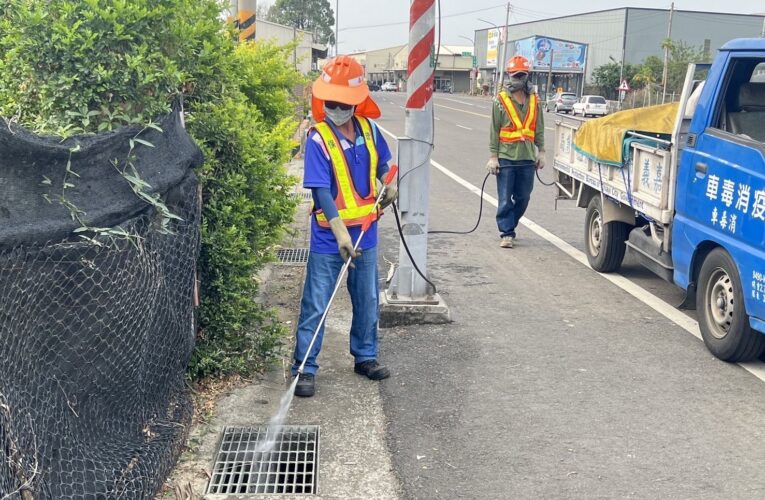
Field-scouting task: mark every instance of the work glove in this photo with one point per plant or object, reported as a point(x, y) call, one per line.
point(344, 242)
point(492, 166)
point(389, 196)
point(540, 159)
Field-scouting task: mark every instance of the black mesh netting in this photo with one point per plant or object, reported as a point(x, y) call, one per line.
point(94, 340)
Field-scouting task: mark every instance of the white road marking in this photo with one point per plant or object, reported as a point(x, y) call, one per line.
point(550, 128)
point(437, 118)
point(462, 110)
point(462, 126)
point(459, 102)
point(688, 324)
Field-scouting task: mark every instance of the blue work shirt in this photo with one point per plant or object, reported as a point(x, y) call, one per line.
point(318, 173)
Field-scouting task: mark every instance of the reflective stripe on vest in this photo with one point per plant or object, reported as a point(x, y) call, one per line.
point(351, 207)
point(518, 131)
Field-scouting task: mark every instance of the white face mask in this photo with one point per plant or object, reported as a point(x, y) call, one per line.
point(338, 116)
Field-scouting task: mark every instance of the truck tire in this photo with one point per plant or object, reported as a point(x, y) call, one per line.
point(605, 243)
point(723, 321)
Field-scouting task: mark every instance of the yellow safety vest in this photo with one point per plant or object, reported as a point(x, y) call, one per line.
point(518, 130)
point(353, 209)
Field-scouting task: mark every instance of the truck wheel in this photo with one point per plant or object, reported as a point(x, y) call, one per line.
point(604, 241)
point(723, 321)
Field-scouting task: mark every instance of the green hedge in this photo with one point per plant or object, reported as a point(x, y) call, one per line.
point(94, 65)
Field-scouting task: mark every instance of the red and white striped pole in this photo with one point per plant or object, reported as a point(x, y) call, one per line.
point(414, 157)
point(422, 33)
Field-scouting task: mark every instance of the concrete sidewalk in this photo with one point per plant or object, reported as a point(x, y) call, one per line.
point(354, 462)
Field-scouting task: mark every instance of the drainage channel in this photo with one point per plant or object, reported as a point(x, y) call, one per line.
point(302, 195)
point(292, 256)
point(291, 467)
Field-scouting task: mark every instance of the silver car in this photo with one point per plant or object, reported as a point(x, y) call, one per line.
point(562, 102)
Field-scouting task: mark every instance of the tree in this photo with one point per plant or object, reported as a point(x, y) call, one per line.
point(648, 73)
point(309, 15)
point(606, 77)
point(262, 12)
point(680, 54)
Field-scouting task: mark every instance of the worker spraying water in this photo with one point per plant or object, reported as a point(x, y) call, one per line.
point(346, 157)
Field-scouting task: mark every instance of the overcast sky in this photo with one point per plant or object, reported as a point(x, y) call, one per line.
point(361, 20)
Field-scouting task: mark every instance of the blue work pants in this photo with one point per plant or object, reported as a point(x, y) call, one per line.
point(321, 274)
point(515, 181)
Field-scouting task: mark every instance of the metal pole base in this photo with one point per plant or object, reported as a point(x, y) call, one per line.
point(397, 310)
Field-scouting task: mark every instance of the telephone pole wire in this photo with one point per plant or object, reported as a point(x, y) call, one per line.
point(503, 53)
point(667, 42)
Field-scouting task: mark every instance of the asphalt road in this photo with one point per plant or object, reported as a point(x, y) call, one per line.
point(552, 381)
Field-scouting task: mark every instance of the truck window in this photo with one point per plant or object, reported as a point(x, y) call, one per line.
point(741, 106)
point(759, 73)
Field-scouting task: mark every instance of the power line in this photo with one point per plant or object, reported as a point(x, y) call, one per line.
point(383, 25)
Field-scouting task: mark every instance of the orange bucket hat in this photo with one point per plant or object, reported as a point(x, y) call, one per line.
point(342, 80)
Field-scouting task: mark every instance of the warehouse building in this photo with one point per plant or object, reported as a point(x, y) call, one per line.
point(625, 34)
point(452, 69)
point(305, 54)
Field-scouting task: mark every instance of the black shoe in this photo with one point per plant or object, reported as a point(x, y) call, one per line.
point(371, 369)
point(306, 385)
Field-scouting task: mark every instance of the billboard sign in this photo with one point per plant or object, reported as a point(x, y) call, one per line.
point(566, 56)
point(492, 46)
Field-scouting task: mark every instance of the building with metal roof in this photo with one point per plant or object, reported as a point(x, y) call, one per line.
point(625, 35)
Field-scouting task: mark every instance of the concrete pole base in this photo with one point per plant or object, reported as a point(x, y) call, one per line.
point(401, 311)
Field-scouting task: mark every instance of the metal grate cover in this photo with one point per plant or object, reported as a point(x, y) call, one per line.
point(302, 195)
point(292, 255)
point(290, 468)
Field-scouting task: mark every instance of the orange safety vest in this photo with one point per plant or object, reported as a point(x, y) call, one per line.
point(518, 131)
point(353, 209)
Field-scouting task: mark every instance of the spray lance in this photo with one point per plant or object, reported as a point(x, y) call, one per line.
point(373, 216)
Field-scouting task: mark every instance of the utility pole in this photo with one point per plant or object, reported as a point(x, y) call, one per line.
point(246, 19)
point(410, 298)
point(501, 63)
point(294, 47)
point(624, 53)
point(665, 73)
point(762, 33)
point(549, 75)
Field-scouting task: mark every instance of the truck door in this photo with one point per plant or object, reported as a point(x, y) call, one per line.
point(721, 177)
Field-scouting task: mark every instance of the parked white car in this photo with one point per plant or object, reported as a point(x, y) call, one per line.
point(389, 87)
point(594, 105)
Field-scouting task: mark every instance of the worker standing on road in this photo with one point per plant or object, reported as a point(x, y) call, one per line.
point(345, 156)
point(516, 147)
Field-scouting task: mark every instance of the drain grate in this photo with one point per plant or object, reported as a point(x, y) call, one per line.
point(290, 468)
point(292, 255)
point(302, 195)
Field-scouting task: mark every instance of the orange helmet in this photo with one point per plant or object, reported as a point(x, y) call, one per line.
point(342, 80)
point(518, 64)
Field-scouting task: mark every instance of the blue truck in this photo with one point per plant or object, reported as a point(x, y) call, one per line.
point(688, 202)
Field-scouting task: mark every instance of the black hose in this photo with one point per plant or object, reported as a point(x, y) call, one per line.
point(477, 223)
point(543, 182)
point(480, 212)
point(406, 247)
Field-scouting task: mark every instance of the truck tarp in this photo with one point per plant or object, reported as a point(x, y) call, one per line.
point(601, 139)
